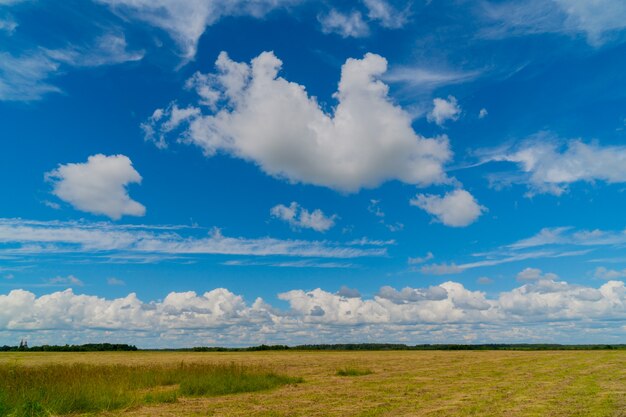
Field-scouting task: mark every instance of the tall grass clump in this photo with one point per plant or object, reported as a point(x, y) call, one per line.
point(231, 379)
point(27, 391)
point(353, 371)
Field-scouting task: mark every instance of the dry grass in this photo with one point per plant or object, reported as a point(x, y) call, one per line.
point(489, 383)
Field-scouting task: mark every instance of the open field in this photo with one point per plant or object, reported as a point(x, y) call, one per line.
point(418, 383)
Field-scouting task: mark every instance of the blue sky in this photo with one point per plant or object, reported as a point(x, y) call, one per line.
point(292, 171)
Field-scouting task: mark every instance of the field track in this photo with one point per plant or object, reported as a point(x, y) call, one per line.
point(402, 383)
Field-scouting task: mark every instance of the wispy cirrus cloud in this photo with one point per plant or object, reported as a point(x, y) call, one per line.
point(7, 23)
point(598, 21)
point(570, 236)
point(28, 76)
point(548, 243)
point(424, 79)
point(25, 77)
point(301, 263)
point(107, 49)
point(23, 237)
point(502, 256)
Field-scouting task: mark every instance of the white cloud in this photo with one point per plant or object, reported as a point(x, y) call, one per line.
point(349, 25)
point(439, 304)
point(421, 259)
point(550, 300)
point(185, 22)
point(52, 205)
point(395, 227)
point(348, 292)
point(484, 281)
point(115, 281)
point(441, 269)
point(8, 24)
point(106, 239)
point(66, 310)
point(98, 186)
point(602, 272)
point(300, 218)
point(444, 110)
point(457, 208)
point(176, 116)
point(353, 25)
point(387, 15)
point(274, 123)
point(548, 310)
point(550, 165)
point(69, 280)
point(534, 274)
point(482, 113)
point(408, 294)
point(374, 208)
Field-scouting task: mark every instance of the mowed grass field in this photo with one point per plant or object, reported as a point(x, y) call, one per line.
point(392, 383)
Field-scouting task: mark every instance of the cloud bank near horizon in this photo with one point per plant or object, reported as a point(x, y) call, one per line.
point(543, 309)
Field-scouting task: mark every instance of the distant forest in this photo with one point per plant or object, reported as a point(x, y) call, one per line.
point(90, 347)
point(109, 347)
point(388, 346)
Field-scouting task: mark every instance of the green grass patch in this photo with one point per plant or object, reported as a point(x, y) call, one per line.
point(68, 389)
point(353, 371)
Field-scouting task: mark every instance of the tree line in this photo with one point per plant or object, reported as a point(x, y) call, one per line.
point(89, 347)
point(110, 347)
point(393, 346)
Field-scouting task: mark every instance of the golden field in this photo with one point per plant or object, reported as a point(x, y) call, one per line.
point(392, 383)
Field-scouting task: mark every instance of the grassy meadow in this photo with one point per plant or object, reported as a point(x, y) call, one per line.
point(61, 389)
point(281, 384)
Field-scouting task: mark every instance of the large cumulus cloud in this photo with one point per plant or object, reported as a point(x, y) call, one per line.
point(248, 111)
